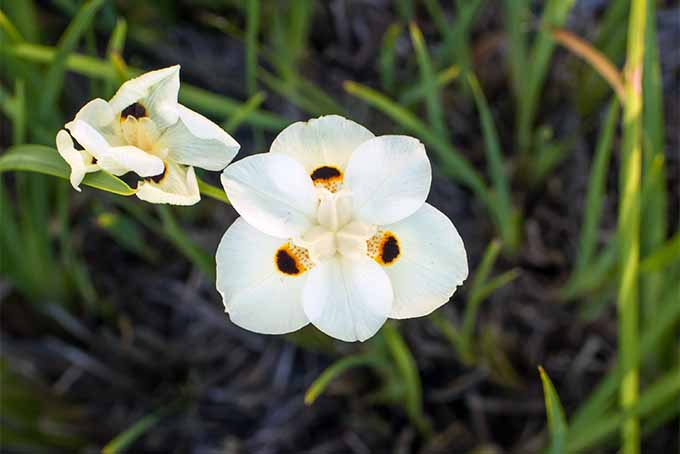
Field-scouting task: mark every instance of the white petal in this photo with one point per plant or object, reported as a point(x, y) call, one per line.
point(323, 141)
point(89, 137)
point(197, 141)
point(98, 113)
point(80, 161)
point(273, 193)
point(177, 187)
point(389, 178)
point(347, 299)
point(156, 90)
point(432, 262)
point(256, 295)
point(121, 160)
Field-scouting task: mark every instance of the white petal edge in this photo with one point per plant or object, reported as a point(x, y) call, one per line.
point(97, 113)
point(89, 137)
point(257, 296)
point(273, 193)
point(178, 187)
point(156, 90)
point(324, 141)
point(389, 178)
point(431, 264)
point(347, 299)
point(196, 141)
point(130, 159)
point(80, 161)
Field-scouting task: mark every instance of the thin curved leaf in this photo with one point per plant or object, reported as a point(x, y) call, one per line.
point(43, 159)
point(557, 423)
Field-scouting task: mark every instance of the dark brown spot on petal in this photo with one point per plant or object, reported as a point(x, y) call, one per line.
point(76, 144)
point(286, 263)
point(325, 173)
point(389, 249)
point(94, 160)
point(158, 178)
point(133, 110)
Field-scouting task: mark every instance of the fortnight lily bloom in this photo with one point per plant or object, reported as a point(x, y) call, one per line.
point(143, 129)
point(334, 230)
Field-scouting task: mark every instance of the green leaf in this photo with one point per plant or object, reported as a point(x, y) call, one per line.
point(663, 256)
point(212, 191)
point(496, 167)
point(191, 96)
point(125, 439)
point(232, 123)
point(665, 389)
point(534, 74)
point(10, 30)
point(54, 78)
point(252, 31)
point(414, 93)
point(332, 372)
point(387, 59)
point(452, 161)
point(596, 189)
point(557, 423)
point(435, 114)
point(407, 368)
point(46, 160)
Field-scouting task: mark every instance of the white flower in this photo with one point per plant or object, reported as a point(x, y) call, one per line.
point(143, 129)
point(334, 230)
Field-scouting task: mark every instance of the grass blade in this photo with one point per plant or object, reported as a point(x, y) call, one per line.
point(415, 93)
point(453, 163)
point(336, 369)
point(597, 60)
point(664, 390)
point(596, 190)
point(123, 441)
point(388, 55)
point(194, 97)
point(494, 157)
point(54, 78)
point(406, 365)
point(9, 29)
point(515, 13)
point(654, 210)
point(46, 160)
point(435, 114)
point(557, 422)
point(212, 191)
point(628, 231)
point(176, 235)
point(663, 256)
point(599, 401)
point(554, 15)
point(252, 32)
point(232, 123)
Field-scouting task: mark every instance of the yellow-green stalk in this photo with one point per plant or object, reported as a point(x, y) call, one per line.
point(629, 226)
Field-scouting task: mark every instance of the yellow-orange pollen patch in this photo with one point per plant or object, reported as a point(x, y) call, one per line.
point(384, 247)
point(292, 260)
point(328, 177)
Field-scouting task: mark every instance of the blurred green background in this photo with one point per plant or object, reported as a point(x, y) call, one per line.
point(552, 128)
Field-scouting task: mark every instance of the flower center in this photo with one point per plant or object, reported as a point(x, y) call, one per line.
point(336, 232)
point(140, 131)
